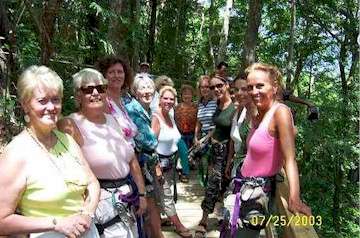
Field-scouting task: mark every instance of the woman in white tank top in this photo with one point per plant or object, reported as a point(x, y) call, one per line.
point(164, 127)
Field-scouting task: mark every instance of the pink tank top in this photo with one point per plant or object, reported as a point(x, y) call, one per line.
point(105, 148)
point(264, 156)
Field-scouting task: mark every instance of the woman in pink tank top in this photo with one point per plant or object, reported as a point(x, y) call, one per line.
point(271, 141)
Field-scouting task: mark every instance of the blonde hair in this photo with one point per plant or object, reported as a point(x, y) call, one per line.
point(167, 88)
point(86, 76)
point(34, 76)
point(274, 73)
point(162, 81)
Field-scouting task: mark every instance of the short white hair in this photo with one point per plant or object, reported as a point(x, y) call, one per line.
point(87, 75)
point(141, 79)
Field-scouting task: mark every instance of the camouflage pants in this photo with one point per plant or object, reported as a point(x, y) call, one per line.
point(217, 183)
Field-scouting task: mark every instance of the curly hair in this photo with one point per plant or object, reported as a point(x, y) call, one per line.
point(105, 63)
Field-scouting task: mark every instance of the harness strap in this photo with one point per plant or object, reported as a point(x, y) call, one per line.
point(235, 215)
point(112, 183)
point(101, 227)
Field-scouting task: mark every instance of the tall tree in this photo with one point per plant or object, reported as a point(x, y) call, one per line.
point(251, 36)
point(45, 22)
point(225, 31)
point(289, 65)
point(152, 28)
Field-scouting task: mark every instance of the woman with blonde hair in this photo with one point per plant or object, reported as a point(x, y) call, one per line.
point(164, 127)
point(50, 189)
point(270, 146)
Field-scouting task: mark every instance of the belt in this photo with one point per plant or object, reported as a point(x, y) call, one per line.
point(112, 183)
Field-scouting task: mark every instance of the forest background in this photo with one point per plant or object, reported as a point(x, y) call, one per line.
point(314, 43)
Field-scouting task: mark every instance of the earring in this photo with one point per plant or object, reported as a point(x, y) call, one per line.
point(26, 118)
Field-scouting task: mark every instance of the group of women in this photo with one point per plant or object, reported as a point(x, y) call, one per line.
point(108, 170)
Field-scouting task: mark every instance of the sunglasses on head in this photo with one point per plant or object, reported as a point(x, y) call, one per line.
point(90, 89)
point(218, 86)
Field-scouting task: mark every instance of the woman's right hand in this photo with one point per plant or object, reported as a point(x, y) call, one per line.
point(73, 226)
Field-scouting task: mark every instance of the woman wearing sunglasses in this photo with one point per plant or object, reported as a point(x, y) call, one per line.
point(222, 151)
point(119, 77)
point(110, 156)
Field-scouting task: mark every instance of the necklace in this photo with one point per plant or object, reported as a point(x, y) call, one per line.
point(59, 155)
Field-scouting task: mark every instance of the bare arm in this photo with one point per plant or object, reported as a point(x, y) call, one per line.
point(197, 131)
point(229, 159)
point(13, 181)
point(285, 129)
point(155, 126)
point(139, 181)
point(67, 125)
point(93, 187)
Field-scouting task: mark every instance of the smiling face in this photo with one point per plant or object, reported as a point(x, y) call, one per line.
point(204, 88)
point(145, 93)
point(186, 96)
point(43, 108)
point(167, 101)
point(115, 75)
point(92, 96)
point(219, 87)
point(241, 96)
point(261, 89)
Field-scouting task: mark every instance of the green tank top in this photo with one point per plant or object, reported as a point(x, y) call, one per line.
point(55, 187)
point(223, 120)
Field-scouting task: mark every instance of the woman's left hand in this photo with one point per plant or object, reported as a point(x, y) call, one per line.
point(297, 206)
point(142, 206)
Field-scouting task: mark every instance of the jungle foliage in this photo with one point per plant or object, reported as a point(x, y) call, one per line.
point(314, 42)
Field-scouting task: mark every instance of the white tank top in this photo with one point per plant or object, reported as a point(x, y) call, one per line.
point(168, 137)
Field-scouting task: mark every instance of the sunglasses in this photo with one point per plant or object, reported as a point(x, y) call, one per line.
point(90, 89)
point(218, 86)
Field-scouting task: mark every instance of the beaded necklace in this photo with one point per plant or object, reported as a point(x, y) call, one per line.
point(55, 162)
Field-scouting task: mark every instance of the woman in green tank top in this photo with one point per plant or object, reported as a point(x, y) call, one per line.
point(48, 187)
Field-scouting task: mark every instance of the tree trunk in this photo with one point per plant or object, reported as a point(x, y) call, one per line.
point(289, 66)
point(250, 41)
point(133, 49)
point(179, 63)
point(225, 31)
point(117, 30)
point(212, 12)
point(46, 26)
point(151, 47)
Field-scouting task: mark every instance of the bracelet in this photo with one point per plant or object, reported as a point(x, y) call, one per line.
point(54, 222)
point(141, 194)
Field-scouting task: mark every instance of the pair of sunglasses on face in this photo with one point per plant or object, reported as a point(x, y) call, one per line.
point(101, 88)
point(218, 86)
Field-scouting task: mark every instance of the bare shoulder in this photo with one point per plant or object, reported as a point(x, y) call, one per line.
point(283, 114)
point(14, 155)
point(68, 126)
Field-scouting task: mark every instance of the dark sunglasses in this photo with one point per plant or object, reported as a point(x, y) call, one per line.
point(90, 89)
point(218, 86)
